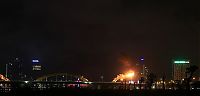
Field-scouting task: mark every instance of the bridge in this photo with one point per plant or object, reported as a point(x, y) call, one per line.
point(62, 77)
point(2, 78)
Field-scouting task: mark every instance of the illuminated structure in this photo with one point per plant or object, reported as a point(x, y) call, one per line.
point(62, 77)
point(142, 69)
point(36, 69)
point(2, 78)
point(179, 69)
point(127, 76)
point(36, 66)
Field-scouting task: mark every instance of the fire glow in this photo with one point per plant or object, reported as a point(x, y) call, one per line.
point(127, 76)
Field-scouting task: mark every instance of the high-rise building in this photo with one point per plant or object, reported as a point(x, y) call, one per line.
point(179, 69)
point(36, 65)
point(14, 69)
point(36, 69)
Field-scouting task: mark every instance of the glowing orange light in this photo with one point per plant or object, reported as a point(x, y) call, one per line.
point(3, 78)
point(130, 74)
point(121, 77)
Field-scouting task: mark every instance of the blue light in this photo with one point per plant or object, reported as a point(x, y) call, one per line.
point(35, 61)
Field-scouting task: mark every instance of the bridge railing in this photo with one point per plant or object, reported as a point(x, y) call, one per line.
point(45, 85)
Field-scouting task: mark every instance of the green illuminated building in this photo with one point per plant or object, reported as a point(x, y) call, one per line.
point(179, 69)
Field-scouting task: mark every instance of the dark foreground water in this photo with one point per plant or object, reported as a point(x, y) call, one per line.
point(90, 92)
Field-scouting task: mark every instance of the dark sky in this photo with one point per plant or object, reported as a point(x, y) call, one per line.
point(89, 37)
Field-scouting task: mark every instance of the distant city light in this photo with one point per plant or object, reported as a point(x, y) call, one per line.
point(26, 81)
point(35, 61)
point(181, 62)
point(142, 59)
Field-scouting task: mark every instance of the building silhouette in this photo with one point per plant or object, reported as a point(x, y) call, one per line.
point(15, 69)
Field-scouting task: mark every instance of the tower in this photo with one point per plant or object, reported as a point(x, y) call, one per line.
point(36, 65)
point(15, 69)
point(36, 68)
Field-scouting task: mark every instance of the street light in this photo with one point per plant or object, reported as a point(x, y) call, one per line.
point(7, 69)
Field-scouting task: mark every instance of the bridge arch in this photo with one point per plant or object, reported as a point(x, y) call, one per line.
point(2, 78)
point(62, 77)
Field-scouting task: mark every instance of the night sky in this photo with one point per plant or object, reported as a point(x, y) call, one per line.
point(91, 37)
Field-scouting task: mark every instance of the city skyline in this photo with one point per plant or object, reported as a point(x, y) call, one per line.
point(92, 37)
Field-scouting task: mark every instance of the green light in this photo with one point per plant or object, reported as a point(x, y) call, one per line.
point(181, 62)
